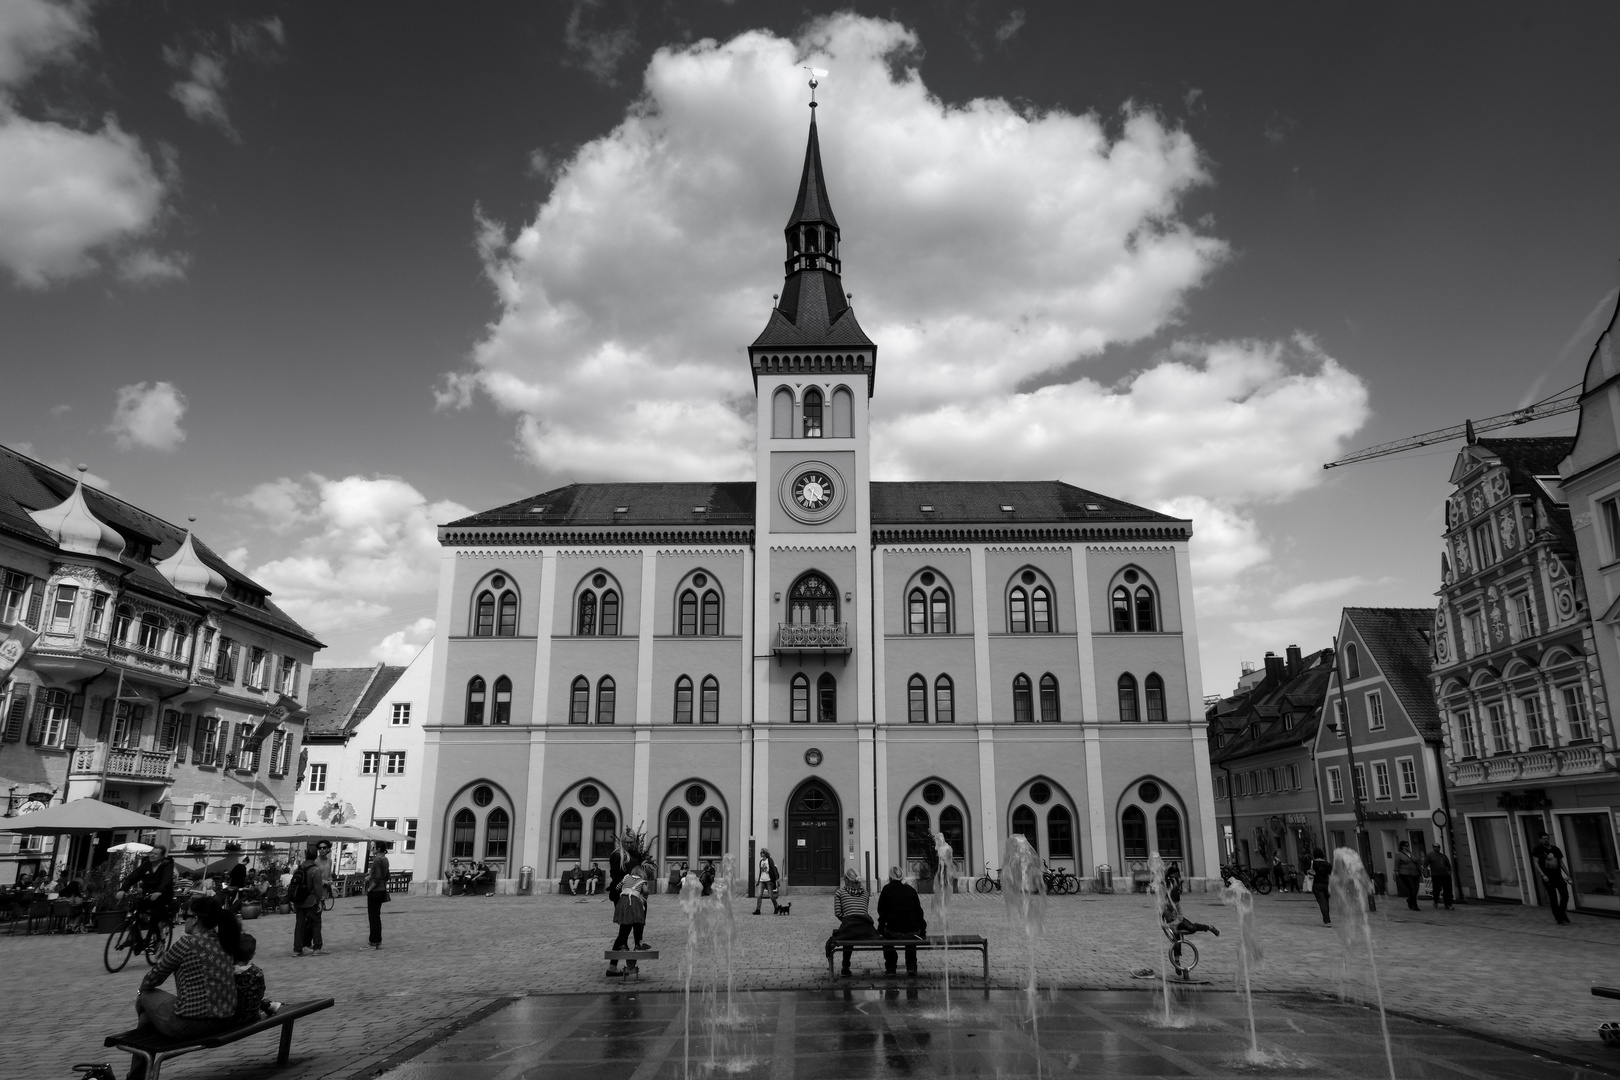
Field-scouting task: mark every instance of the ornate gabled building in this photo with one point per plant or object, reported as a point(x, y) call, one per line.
point(814, 663)
point(136, 665)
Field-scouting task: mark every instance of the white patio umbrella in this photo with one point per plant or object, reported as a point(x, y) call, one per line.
point(133, 847)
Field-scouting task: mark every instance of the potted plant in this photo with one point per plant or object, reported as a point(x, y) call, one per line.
point(101, 890)
point(251, 899)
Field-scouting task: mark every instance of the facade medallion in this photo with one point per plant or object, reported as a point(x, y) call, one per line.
point(812, 757)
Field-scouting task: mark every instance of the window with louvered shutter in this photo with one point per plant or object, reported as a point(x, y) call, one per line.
point(36, 602)
point(234, 758)
point(199, 741)
point(182, 736)
point(70, 739)
point(36, 728)
point(17, 715)
point(171, 721)
point(137, 721)
point(105, 731)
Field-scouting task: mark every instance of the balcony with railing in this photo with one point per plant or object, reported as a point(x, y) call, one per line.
point(825, 639)
point(124, 763)
point(1538, 764)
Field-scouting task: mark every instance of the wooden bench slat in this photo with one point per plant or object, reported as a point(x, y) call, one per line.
point(153, 1042)
point(1606, 991)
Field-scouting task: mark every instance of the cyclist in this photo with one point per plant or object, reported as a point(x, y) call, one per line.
point(1176, 925)
point(154, 878)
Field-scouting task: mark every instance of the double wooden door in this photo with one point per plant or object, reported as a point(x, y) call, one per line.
point(813, 855)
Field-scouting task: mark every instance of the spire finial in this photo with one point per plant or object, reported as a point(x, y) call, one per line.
point(815, 74)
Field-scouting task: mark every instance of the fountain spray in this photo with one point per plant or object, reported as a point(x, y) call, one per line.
point(1160, 898)
point(1023, 890)
point(941, 905)
point(692, 904)
point(1236, 895)
point(1348, 888)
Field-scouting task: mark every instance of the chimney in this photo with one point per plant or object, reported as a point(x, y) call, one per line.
point(1245, 667)
point(1274, 667)
point(1296, 661)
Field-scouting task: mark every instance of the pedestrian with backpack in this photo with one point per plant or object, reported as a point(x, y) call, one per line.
point(308, 883)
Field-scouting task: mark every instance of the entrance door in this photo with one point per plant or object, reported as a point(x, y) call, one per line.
point(812, 855)
point(1493, 853)
point(1589, 851)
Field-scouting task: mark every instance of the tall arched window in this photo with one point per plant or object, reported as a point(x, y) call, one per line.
point(1133, 823)
point(462, 830)
point(610, 613)
point(1018, 612)
point(1352, 661)
point(1145, 620)
point(951, 828)
point(919, 837)
point(1023, 824)
point(917, 700)
point(1040, 610)
point(1023, 705)
point(711, 614)
point(782, 414)
point(801, 700)
point(1153, 692)
point(683, 700)
point(812, 601)
point(502, 712)
point(579, 705)
point(677, 830)
point(1049, 699)
point(497, 830)
point(606, 698)
point(1127, 699)
point(507, 627)
point(711, 838)
point(944, 701)
point(843, 414)
point(812, 414)
point(1167, 823)
point(689, 614)
point(587, 613)
point(939, 608)
point(1059, 833)
point(1122, 610)
point(123, 618)
point(711, 700)
point(484, 626)
point(603, 827)
point(152, 630)
point(917, 613)
point(827, 699)
point(475, 700)
point(568, 830)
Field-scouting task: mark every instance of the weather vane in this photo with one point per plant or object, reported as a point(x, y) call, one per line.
point(815, 73)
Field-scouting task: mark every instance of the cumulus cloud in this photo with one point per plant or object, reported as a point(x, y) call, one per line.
point(36, 32)
point(401, 646)
point(202, 93)
point(1309, 593)
point(148, 415)
point(144, 266)
point(367, 544)
point(599, 39)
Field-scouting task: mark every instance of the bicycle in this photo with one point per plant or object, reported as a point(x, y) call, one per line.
point(1061, 881)
point(328, 900)
point(988, 884)
point(1183, 953)
point(121, 942)
point(1258, 881)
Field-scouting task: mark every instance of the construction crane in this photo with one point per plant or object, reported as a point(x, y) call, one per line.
point(1565, 400)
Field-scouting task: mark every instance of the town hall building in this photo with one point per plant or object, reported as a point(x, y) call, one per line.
point(814, 663)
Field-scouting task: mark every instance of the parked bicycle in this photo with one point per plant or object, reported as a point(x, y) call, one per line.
point(1060, 880)
point(147, 933)
point(988, 884)
point(1258, 881)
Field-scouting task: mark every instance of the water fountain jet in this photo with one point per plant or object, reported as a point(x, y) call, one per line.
point(1236, 895)
point(1023, 890)
point(1348, 890)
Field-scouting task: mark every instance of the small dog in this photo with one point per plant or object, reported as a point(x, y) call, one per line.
point(782, 909)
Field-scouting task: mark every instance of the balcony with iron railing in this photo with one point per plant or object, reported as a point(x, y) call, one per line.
point(123, 763)
point(825, 639)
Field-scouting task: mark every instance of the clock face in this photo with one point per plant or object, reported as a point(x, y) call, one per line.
point(813, 490)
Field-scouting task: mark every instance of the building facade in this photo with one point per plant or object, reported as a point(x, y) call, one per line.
point(138, 667)
point(813, 663)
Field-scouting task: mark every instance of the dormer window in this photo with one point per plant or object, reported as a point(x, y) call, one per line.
point(927, 508)
point(621, 509)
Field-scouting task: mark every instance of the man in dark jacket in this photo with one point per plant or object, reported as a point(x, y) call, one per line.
point(155, 878)
point(900, 915)
point(1549, 862)
point(1407, 873)
point(1439, 875)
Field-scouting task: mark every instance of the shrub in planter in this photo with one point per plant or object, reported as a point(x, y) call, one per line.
point(106, 921)
point(250, 910)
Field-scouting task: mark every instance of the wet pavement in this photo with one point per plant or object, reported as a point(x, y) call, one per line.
point(902, 1032)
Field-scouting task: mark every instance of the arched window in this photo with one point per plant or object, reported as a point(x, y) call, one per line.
point(812, 414)
point(152, 628)
point(801, 700)
point(782, 414)
point(711, 614)
point(464, 826)
point(1122, 610)
point(1018, 612)
point(917, 700)
point(1023, 824)
point(182, 635)
point(603, 826)
point(579, 705)
point(940, 612)
point(1127, 699)
point(677, 830)
point(610, 613)
point(812, 601)
point(683, 700)
point(711, 837)
point(1153, 688)
point(485, 624)
point(843, 414)
point(1040, 610)
point(568, 831)
point(1352, 661)
point(1023, 705)
point(496, 832)
point(944, 701)
point(1145, 621)
point(711, 700)
point(1167, 824)
point(587, 613)
point(502, 712)
point(507, 627)
point(827, 699)
point(951, 828)
point(919, 837)
point(689, 614)
point(1049, 699)
point(917, 613)
point(475, 700)
point(606, 697)
point(1133, 823)
point(1059, 833)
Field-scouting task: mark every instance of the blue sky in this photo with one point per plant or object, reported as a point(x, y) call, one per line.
point(324, 276)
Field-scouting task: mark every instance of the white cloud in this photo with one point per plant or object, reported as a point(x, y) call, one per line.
point(35, 32)
point(237, 557)
point(148, 415)
point(1014, 23)
point(1309, 593)
point(202, 93)
point(401, 646)
point(144, 266)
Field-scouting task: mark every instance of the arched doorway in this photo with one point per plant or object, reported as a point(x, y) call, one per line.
point(812, 856)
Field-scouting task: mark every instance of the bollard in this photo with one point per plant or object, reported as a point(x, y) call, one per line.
point(525, 881)
point(1105, 878)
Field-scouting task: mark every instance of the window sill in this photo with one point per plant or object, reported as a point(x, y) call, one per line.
point(507, 637)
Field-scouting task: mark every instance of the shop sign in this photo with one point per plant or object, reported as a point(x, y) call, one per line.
point(1298, 819)
point(1384, 815)
point(1529, 799)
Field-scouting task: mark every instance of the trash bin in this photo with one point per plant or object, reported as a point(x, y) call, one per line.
point(526, 881)
point(1105, 878)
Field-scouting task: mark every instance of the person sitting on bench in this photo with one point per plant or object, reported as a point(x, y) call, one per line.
point(854, 920)
point(900, 915)
point(203, 964)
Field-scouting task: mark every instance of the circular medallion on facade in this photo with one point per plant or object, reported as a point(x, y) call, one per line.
point(933, 794)
point(483, 795)
point(812, 757)
point(927, 577)
point(1148, 791)
point(588, 795)
point(813, 490)
point(599, 580)
point(498, 582)
point(1131, 577)
point(1027, 577)
point(700, 580)
point(1040, 793)
point(695, 795)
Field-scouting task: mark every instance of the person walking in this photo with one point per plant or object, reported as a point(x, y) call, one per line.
point(1277, 875)
point(203, 964)
point(765, 878)
point(376, 893)
point(1549, 860)
point(1439, 875)
point(630, 912)
point(1407, 872)
point(308, 883)
point(851, 907)
point(1320, 871)
point(900, 916)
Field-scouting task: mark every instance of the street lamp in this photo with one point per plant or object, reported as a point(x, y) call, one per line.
point(1363, 842)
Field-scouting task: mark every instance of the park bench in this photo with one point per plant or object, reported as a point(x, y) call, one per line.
point(955, 943)
point(157, 1049)
point(629, 955)
point(1609, 1032)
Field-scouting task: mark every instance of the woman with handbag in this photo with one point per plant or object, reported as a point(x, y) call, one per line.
point(766, 878)
point(377, 892)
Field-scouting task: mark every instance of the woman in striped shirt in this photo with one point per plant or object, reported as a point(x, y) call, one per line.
point(203, 964)
point(851, 906)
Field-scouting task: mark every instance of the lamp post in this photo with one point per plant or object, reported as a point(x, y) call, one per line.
point(1363, 842)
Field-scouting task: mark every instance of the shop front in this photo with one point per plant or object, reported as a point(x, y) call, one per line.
point(1501, 828)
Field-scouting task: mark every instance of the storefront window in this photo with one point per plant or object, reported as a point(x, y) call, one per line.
point(1589, 848)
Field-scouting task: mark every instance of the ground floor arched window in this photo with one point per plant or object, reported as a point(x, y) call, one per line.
point(1023, 824)
point(462, 833)
point(604, 827)
point(1167, 826)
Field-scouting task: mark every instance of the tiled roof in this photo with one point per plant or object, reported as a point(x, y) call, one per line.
point(812, 205)
point(1254, 718)
point(1530, 457)
point(645, 504)
point(339, 698)
point(1399, 641)
point(813, 312)
point(981, 502)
